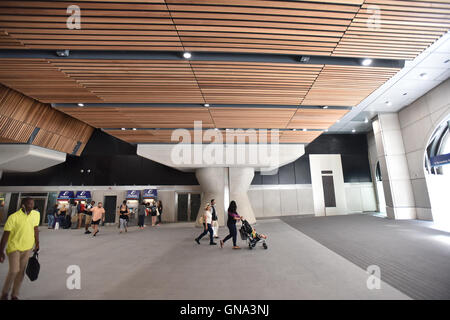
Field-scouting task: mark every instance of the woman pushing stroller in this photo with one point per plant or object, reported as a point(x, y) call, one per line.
point(233, 217)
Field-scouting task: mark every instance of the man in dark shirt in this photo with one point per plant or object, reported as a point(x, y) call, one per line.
point(88, 217)
point(215, 222)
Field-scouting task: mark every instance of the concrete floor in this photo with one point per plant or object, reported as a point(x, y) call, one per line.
point(166, 263)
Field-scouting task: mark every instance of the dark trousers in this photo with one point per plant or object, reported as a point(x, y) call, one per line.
point(233, 233)
point(211, 233)
point(159, 218)
point(141, 220)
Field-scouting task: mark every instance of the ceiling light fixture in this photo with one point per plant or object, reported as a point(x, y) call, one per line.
point(367, 62)
point(304, 59)
point(81, 104)
point(62, 53)
point(187, 55)
point(294, 129)
point(305, 129)
point(325, 107)
point(206, 105)
point(447, 61)
point(338, 120)
point(134, 129)
point(123, 129)
point(388, 103)
point(405, 93)
point(353, 130)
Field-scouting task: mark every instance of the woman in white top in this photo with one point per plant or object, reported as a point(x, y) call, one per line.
point(207, 220)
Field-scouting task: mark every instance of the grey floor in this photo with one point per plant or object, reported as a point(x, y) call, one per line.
point(412, 257)
point(165, 263)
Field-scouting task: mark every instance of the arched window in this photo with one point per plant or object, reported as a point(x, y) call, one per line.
point(439, 145)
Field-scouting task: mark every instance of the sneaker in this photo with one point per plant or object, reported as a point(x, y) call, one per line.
point(213, 244)
point(87, 232)
point(196, 240)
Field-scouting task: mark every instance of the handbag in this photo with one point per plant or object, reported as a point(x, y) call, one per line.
point(33, 267)
point(157, 211)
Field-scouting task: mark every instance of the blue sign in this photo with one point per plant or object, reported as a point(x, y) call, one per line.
point(440, 160)
point(150, 194)
point(83, 195)
point(65, 195)
point(133, 194)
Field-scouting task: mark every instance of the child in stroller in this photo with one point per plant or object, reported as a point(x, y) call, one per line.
point(249, 234)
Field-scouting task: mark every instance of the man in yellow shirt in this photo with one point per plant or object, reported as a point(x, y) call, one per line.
point(21, 233)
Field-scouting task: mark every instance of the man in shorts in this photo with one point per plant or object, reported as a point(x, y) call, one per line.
point(88, 217)
point(98, 214)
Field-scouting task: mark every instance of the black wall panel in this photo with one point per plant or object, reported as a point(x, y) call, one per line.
point(114, 162)
point(351, 147)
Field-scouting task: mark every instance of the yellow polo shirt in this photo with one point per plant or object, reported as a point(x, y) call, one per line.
point(21, 228)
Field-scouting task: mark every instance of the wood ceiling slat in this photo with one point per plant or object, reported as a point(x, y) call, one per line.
point(346, 86)
point(251, 117)
point(419, 21)
point(20, 115)
point(315, 118)
point(141, 117)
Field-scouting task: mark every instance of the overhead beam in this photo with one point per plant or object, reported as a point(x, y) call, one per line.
point(198, 56)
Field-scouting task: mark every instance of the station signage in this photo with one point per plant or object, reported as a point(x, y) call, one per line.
point(65, 195)
point(440, 160)
point(83, 195)
point(133, 194)
point(150, 194)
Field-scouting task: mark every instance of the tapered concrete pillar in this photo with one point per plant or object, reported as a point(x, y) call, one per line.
point(239, 181)
point(397, 186)
point(212, 181)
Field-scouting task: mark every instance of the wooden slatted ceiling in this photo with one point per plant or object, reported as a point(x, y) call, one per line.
point(133, 80)
point(254, 83)
point(38, 79)
point(346, 86)
point(141, 117)
point(7, 42)
point(165, 136)
point(406, 29)
point(336, 28)
point(315, 118)
point(20, 115)
point(105, 25)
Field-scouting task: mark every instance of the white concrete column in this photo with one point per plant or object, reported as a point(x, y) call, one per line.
point(212, 182)
point(240, 180)
point(397, 186)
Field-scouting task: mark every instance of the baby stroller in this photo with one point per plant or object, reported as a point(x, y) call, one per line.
point(249, 234)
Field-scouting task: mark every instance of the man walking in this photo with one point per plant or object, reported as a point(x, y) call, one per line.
point(88, 217)
point(98, 213)
point(20, 234)
point(215, 222)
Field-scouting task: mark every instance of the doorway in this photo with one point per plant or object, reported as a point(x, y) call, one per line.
point(110, 209)
point(188, 205)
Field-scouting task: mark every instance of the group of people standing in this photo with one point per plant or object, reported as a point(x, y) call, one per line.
point(66, 216)
point(211, 224)
point(153, 209)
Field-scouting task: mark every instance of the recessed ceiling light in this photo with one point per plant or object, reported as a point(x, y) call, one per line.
point(325, 107)
point(134, 129)
point(353, 130)
point(123, 128)
point(423, 75)
point(294, 129)
point(217, 129)
point(187, 55)
point(388, 103)
point(367, 62)
point(81, 104)
point(305, 129)
point(206, 104)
